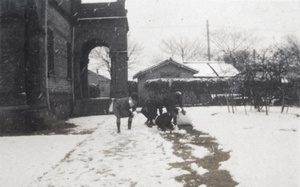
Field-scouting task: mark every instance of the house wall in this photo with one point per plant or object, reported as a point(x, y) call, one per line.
point(170, 69)
point(104, 86)
point(102, 82)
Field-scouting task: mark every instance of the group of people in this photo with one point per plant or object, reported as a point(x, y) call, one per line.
point(126, 107)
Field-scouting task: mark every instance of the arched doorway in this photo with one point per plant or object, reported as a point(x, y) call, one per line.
point(99, 72)
point(87, 48)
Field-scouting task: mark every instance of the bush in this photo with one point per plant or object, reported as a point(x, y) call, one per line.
point(195, 91)
point(94, 90)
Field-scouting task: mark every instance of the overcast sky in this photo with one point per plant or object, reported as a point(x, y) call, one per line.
point(153, 20)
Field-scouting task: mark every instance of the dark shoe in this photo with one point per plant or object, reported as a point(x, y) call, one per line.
point(118, 127)
point(129, 126)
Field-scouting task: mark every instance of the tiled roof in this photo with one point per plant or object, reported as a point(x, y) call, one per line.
point(212, 69)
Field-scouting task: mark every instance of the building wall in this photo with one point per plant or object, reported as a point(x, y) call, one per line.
point(29, 94)
point(23, 62)
point(102, 83)
point(13, 39)
point(60, 85)
point(104, 86)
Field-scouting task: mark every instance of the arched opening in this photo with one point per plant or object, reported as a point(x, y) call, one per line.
point(99, 68)
point(95, 59)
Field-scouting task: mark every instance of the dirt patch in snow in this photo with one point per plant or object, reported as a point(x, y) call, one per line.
point(211, 175)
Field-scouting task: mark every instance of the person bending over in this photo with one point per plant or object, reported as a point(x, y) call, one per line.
point(171, 101)
point(124, 107)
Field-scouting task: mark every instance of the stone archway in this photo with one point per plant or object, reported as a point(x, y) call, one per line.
point(111, 26)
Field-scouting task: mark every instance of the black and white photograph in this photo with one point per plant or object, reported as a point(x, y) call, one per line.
point(149, 93)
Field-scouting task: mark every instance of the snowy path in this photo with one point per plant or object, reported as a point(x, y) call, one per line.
point(136, 157)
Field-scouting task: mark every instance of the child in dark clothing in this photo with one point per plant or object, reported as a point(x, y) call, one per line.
point(171, 102)
point(150, 111)
point(164, 121)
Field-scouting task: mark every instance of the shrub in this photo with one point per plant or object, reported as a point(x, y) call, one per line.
point(94, 90)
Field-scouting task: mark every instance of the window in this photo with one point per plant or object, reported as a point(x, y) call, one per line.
point(69, 61)
point(50, 47)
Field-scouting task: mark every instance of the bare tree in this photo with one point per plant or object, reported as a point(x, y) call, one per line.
point(291, 49)
point(156, 58)
point(233, 45)
point(100, 57)
point(226, 40)
point(183, 48)
point(291, 46)
point(134, 52)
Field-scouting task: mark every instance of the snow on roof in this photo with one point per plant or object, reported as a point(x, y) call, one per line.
point(165, 62)
point(103, 75)
point(212, 69)
point(224, 70)
point(183, 79)
point(203, 70)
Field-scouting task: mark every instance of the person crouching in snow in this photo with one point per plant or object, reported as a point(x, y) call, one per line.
point(164, 121)
point(171, 102)
point(150, 110)
point(122, 108)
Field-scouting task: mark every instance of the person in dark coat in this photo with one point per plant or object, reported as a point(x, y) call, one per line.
point(164, 122)
point(124, 107)
point(171, 101)
point(150, 110)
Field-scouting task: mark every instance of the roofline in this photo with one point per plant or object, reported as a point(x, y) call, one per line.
point(202, 62)
point(170, 60)
point(99, 75)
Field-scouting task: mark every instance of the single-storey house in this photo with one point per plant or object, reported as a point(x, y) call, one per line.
point(165, 69)
point(169, 70)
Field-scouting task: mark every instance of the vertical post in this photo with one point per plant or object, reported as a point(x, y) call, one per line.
point(46, 54)
point(208, 43)
point(72, 65)
point(0, 34)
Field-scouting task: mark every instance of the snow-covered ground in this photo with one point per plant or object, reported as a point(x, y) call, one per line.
point(264, 151)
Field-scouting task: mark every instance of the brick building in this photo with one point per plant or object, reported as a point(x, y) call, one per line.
point(44, 47)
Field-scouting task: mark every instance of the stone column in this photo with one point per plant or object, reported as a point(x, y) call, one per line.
point(12, 63)
point(119, 74)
